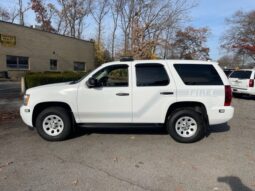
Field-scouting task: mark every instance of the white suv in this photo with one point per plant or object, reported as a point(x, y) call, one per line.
point(242, 82)
point(185, 96)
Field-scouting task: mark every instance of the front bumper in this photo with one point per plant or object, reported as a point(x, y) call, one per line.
point(26, 115)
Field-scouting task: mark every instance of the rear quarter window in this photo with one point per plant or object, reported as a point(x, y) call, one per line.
point(198, 74)
point(241, 74)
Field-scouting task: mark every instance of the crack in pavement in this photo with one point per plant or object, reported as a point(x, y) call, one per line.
point(103, 171)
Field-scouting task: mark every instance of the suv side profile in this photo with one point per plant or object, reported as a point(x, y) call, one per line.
point(185, 96)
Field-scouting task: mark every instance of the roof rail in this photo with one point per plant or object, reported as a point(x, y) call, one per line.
point(126, 59)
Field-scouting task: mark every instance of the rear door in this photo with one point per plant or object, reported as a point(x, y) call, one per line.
point(153, 91)
point(240, 79)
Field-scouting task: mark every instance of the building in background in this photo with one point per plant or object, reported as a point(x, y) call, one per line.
point(25, 49)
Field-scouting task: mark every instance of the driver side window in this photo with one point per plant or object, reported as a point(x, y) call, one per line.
point(113, 76)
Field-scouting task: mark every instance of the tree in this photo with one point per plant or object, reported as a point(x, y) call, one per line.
point(240, 37)
point(100, 10)
point(11, 14)
point(144, 24)
point(21, 11)
point(43, 14)
point(71, 16)
point(101, 54)
point(4, 14)
point(230, 61)
point(190, 44)
point(115, 7)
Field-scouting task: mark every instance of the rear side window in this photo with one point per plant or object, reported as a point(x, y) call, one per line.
point(198, 74)
point(241, 74)
point(151, 75)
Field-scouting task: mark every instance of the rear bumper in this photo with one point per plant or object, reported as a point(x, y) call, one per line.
point(219, 115)
point(26, 115)
point(249, 91)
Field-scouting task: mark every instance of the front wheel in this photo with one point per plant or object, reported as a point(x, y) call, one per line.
point(186, 125)
point(54, 124)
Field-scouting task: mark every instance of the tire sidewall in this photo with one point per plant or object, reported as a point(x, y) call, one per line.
point(171, 122)
point(60, 112)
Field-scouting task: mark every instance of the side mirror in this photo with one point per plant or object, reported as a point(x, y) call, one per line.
point(92, 82)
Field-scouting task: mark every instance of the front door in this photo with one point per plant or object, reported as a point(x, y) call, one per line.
point(111, 101)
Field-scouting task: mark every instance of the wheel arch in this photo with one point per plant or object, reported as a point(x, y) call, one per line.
point(43, 105)
point(198, 107)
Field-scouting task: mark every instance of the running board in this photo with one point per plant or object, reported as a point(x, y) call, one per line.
point(119, 125)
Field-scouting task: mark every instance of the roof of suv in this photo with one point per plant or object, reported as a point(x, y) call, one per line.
point(172, 61)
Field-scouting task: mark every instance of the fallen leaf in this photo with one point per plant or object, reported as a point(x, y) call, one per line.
point(75, 182)
point(6, 164)
point(115, 159)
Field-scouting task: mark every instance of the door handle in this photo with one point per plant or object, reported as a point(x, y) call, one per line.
point(166, 93)
point(122, 94)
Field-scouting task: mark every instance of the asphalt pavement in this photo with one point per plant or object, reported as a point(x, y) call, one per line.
point(10, 94)
point(131, 159)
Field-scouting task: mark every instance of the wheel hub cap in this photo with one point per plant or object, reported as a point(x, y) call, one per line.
point(53, 125)
point(186, 126)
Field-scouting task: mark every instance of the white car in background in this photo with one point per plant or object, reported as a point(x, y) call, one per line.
point(242, 82)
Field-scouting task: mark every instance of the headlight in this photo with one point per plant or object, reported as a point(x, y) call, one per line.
point(26, 99)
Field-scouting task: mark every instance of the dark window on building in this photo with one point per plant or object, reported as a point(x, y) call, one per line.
point(198, 74)
point(151, 75)
point(17, 62)
point(113, 76)
point(241, 74)
point(79, 66)
point(53, 64)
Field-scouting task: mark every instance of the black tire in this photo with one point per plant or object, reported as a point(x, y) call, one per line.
point(237, 95)
point(180, 113)
point(63, 115)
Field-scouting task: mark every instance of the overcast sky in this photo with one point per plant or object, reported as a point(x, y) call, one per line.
point(208, 13)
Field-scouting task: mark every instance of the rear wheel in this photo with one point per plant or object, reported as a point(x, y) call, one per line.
point(54, 124)
point(186, 125)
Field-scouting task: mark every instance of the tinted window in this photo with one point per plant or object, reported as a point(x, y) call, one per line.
point(17, 62)
point(241, 74)
point(113, 76)
point(79, 66)
point(151, 75)
point(198, 74)
point(53, 64)
point(227, 72)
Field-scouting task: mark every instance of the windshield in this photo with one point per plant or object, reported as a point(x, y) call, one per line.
point(77, 81)
point(241, 74)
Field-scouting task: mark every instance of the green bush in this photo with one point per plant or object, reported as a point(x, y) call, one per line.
point(42, 78)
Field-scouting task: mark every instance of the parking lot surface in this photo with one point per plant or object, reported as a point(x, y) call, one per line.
point(9, 94)
point(131, 159)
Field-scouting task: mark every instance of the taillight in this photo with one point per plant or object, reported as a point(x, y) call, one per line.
point(251, 83)
point(228, 96)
